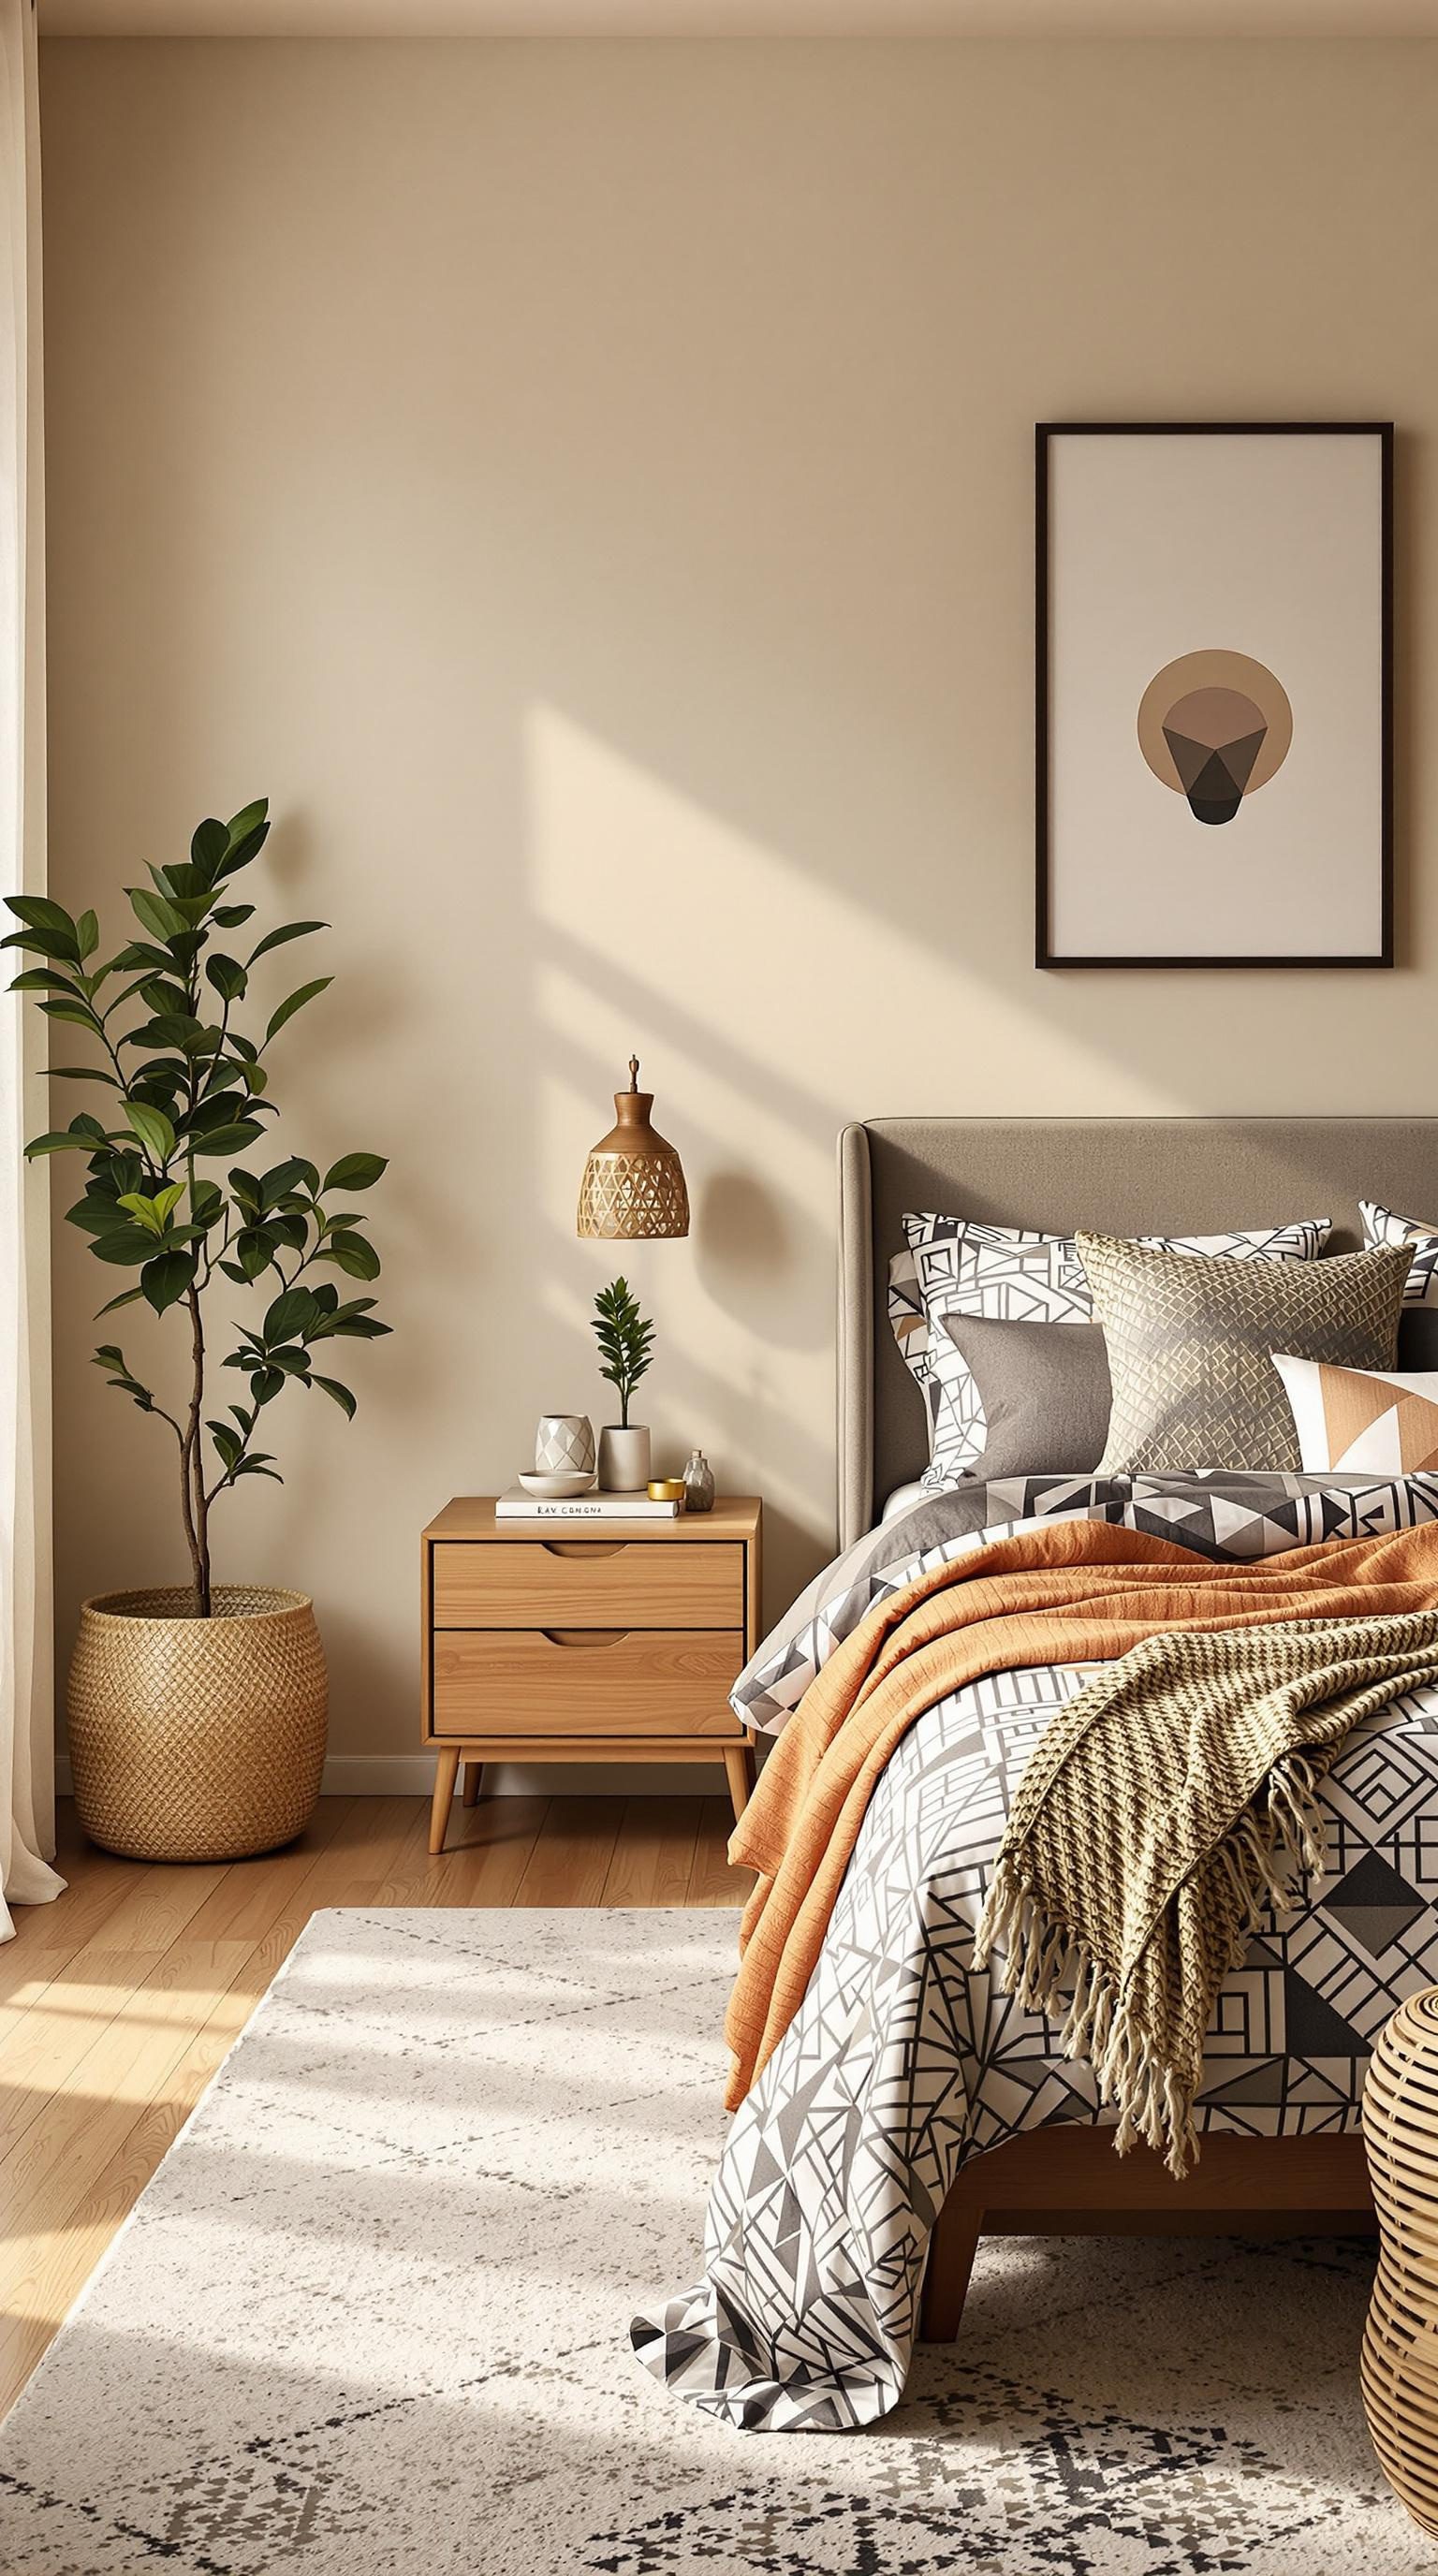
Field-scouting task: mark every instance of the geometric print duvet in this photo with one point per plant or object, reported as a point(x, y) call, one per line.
point(903, 2060)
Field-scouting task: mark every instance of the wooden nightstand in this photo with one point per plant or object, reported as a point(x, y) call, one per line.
point(619, 1645)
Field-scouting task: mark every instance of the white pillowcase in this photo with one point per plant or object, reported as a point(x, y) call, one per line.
point(1380, 1225)
point(1362, 1422)
point(954, 1266)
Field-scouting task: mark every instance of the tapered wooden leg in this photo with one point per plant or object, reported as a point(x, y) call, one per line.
point(473, 1774)
point(445, 1773)
point(952, 2248)
point(739, 1772)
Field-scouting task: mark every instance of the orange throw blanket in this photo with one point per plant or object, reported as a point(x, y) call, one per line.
point(1076, 1592)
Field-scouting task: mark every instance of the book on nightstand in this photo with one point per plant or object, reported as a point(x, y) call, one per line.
point(517, 1505)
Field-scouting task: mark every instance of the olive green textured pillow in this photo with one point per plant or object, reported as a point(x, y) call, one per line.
point(1190, 1347)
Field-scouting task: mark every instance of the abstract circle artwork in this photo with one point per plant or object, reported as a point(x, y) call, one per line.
point(1215, 727)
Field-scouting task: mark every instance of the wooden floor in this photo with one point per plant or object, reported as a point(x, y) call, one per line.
point(118, 2001)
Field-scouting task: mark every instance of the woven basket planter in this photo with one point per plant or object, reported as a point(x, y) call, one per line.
point(197, 1739)
point(1400, 2343)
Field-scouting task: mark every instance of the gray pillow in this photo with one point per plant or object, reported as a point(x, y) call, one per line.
point(1190, 1347)
point(1044, 1390)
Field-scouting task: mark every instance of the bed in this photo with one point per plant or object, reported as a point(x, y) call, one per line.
point(806, 2314)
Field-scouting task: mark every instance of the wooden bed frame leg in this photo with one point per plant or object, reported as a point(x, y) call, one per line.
point(952, 2248)
point(739, 1771)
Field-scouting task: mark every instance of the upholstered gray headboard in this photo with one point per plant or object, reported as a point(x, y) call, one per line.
point(1111, 1175)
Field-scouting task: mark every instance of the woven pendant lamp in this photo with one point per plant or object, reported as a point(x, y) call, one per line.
point(633, 1186)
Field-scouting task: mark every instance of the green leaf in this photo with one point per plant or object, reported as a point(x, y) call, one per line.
point(255, 1249)
point(227, 1442)
point(291, 1315)
point(226, 1140)
point(39, 912)
point(352, 1254)
point(80, 1012)
point(356, 1171)
point(246, 1188)
point(209, 845)
point(87, 934)
point(291, 1231)
point(143, 1211)
point(228, 977)
point(139, 954)
point(169, 1029)
point(153, 1129)
point(126, 1297)
point(278, 1184)
point(40, 979)
point(207, 1201)
point(43, 943)
point(289, 930)
point(266, 1384)
point(341, 1394)
point(230, 916)
point(293, 1361)
point(165, 1279)
point(154, 914)
point(128, 1244)
point(357, 1328)
point(257, 1466)
point(295, 1002)
point(81, 1073)
point(95, 1215)
point(59, 1141)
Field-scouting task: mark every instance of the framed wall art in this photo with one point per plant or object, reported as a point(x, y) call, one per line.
point(1215, 752)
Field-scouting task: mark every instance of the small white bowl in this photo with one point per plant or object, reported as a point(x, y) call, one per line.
point(556, 1489)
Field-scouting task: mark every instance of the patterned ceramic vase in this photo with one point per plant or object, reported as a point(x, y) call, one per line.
point(564, 1445)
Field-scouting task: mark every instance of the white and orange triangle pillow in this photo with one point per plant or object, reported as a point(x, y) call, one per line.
point(1361, 1422)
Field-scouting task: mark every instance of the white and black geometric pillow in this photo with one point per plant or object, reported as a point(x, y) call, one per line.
point(1380, 1225)
point(955, 1266)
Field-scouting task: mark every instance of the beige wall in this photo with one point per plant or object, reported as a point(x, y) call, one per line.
point(590, 489)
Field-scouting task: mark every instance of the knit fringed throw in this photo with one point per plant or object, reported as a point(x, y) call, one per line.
point(1162, 1811)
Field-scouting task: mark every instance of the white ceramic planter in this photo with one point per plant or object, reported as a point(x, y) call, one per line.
point(623, 1459)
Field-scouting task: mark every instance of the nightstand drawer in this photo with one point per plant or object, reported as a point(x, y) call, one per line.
point(589, 1583)
point(531, 1681)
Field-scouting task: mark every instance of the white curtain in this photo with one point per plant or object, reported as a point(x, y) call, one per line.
point(27, 1762)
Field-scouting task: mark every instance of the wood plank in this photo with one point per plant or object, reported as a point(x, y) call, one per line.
point(653, 1852)
point(570, 1860)
point(711, 1880)
point(490, 1850)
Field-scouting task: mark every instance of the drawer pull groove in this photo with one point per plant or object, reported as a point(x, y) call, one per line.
point(584, 1549)
point(585, 1636)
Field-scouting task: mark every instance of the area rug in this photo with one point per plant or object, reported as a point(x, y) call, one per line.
point(371, 2318)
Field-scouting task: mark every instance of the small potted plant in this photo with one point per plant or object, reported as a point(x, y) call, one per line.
point(198, 1710)
point(624, 1337)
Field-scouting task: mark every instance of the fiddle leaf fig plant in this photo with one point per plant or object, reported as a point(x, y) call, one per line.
point(164, 1196)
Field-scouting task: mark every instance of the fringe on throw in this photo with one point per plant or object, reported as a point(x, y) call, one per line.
point(1262, 1858)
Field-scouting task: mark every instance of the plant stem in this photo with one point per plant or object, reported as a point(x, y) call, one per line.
point(194, 1500)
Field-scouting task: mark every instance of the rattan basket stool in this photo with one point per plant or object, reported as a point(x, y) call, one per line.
point(1400, 2342)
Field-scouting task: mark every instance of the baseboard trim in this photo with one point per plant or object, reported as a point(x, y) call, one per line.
point(411, 1775)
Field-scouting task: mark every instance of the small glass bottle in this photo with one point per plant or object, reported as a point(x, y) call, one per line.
point(698, 1483)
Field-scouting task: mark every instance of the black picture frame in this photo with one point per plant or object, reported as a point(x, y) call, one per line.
point(1045, 432)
